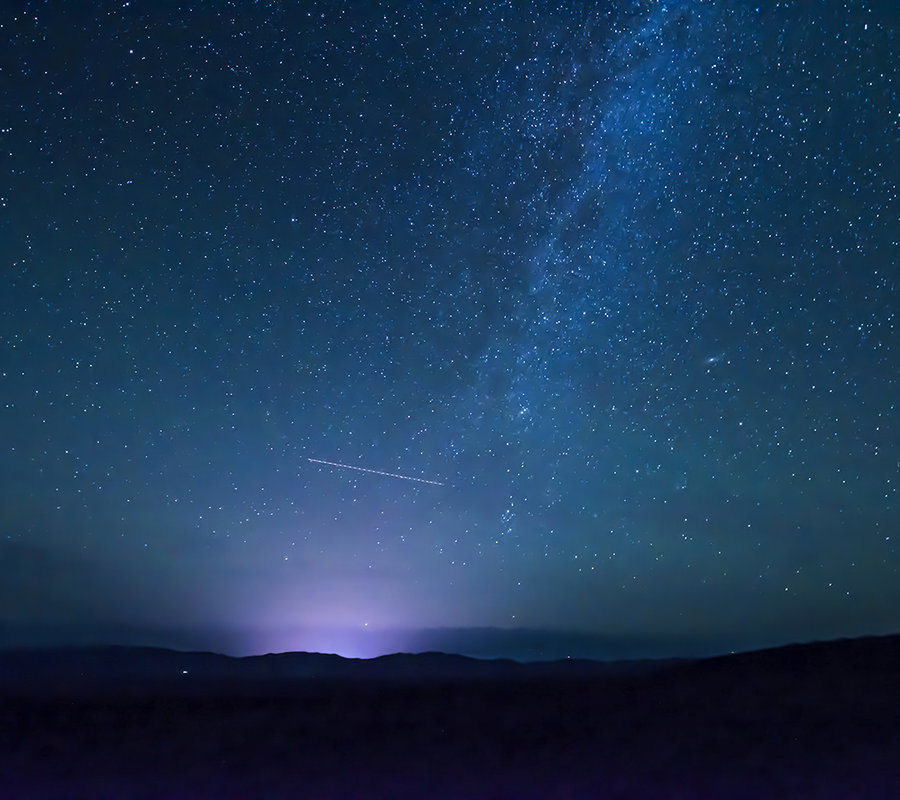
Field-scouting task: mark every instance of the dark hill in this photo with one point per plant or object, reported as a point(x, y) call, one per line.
point(106, 667)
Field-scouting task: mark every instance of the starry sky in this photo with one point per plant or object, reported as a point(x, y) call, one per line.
point(616, 282)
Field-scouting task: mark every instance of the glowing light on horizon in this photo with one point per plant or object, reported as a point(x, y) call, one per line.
point(345, 641)
point(375, 471)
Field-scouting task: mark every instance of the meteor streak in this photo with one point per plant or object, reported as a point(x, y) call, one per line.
point(374, 471)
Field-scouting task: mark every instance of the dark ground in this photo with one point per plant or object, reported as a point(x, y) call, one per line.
point(818, 721)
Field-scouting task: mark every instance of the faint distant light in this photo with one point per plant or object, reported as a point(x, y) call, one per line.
point(184, 672)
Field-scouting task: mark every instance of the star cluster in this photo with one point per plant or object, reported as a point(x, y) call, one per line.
point(619, 281)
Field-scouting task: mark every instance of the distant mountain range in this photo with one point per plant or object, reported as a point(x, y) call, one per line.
point(104, 666)
point(111, 666)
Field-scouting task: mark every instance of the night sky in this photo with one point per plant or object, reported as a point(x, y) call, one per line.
point(617, 283)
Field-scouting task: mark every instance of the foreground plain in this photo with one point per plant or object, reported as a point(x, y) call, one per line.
point(819, 720)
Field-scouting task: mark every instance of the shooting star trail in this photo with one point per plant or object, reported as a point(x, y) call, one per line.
point(374, 471)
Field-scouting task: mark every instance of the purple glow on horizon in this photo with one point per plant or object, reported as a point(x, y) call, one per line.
point(362, 642)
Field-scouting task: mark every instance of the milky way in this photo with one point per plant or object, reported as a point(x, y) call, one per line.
point(618, 281)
